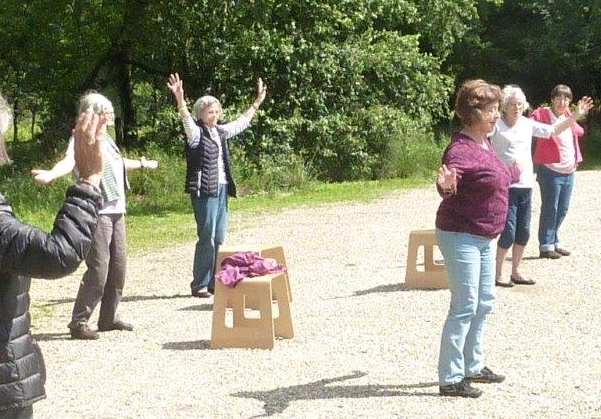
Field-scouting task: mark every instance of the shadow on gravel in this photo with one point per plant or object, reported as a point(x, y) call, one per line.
point(277, 400)
point(187, 346)
point(200, 307)
point(379, 290)
point(124, 299)
point(44, 337)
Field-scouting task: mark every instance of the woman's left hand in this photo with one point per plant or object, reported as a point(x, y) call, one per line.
point(447, 178)
point(584, 105)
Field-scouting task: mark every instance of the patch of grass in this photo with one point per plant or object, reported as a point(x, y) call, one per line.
point(149, 231)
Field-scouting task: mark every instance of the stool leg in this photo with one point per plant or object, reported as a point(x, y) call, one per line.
point(282, 323)
point(219, 330)
point(277, 253)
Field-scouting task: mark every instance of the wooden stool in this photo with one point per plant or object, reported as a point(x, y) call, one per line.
point(269, 252)
point(434, 275)
point(251, 332)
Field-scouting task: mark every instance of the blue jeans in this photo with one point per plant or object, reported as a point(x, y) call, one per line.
point(555, 194)
point(517, 226)
point(211, 221)
point(470, 266)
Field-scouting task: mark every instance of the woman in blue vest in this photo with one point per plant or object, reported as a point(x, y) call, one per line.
point(208, 175)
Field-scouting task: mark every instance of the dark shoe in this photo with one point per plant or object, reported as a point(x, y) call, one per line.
point(563, 252)
point(82, 331)
point(460, 389)
point(118, 325)
point(549, 254)
point(507, 284)
point(201, 293)
point(523, 281)
point(486, 376)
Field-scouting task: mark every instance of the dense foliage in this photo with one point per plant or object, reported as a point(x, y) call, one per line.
point(536, 44)
point(354, 85)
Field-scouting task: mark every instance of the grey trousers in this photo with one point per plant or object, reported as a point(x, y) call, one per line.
point(22, 413)
point(103, 281)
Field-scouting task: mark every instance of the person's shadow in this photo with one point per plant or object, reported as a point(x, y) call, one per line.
point(277, 400)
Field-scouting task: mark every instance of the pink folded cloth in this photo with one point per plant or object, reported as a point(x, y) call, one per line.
point(242, 265)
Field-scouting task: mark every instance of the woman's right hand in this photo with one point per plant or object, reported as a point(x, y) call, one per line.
point(447, 178)
point(89, 134)
point(176, 86)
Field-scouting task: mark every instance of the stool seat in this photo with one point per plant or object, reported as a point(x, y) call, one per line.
point(248, 332)
point(265, 251)
point(434, 275)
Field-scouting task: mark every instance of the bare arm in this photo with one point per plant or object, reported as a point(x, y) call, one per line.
point(261, 92)
point(176, 86)
point(584, 105)
point(61, 168)
point(142, 163)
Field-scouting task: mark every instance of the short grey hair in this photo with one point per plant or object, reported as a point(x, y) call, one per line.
point(5, 117)
point(512, 91)
point(97, 103)
point(202, 103)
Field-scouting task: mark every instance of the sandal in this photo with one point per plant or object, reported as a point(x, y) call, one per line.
point(522, 281)
point(507, 284)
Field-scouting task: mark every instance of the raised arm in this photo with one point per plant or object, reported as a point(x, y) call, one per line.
point(584, 105)
point(27, 250)
point(261, 92)
point(176, 86)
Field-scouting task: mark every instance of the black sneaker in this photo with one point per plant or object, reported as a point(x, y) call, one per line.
point(486, 376)
point(460, 389)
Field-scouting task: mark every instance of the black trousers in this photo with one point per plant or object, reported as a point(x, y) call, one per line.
point(23, 413)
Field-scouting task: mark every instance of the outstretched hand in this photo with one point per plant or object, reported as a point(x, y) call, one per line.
point(42, 176)
point(176, 86)
point(89, 134)
point(261, 90)
point(447, 178)
point(584, 105)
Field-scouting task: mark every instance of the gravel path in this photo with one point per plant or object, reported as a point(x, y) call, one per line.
point(364, 346)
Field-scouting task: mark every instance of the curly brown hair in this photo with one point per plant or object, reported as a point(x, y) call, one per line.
point(472, 97)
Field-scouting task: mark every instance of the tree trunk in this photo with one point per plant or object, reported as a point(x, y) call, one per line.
point(126, 95)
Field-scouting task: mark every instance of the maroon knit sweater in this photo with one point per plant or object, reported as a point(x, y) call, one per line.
point(480, 205)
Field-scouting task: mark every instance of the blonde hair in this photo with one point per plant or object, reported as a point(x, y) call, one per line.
point(472, 97)
point(204, 102)
point(97, 103)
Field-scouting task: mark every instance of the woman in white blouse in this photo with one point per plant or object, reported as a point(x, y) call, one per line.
point(512, 140)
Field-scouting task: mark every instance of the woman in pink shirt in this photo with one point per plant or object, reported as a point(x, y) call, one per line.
point(556, 163)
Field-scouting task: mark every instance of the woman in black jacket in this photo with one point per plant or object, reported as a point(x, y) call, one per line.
point(26, 252)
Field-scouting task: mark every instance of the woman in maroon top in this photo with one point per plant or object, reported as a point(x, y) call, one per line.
point(473, 183)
